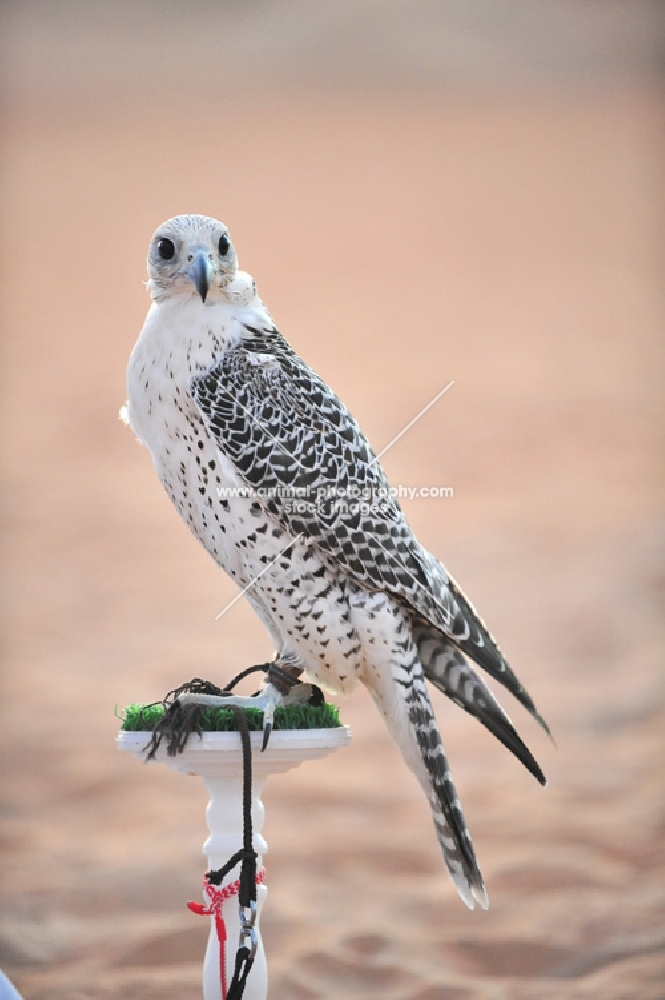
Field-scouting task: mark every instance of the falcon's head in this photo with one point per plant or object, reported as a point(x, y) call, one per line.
point(190, 255)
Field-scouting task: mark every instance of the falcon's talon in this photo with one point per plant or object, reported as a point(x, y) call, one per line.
point(268, 717)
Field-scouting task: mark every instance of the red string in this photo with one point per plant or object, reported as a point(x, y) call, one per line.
point(217, 896)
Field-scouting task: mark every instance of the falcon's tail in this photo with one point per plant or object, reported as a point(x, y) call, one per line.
point(445, 667)
point(401, 696)
point(453, 835)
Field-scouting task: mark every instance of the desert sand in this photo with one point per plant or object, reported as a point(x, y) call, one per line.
point(510, 246)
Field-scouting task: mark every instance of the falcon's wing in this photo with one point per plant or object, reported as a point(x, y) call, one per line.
point(294, 442)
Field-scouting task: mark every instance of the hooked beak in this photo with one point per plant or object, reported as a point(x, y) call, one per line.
point(201, 271)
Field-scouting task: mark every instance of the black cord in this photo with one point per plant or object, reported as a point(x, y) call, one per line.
point(247, 856)
point(245, 673)
point(244, 962)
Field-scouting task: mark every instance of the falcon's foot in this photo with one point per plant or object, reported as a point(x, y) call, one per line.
point(183, 705)
point(265, 700)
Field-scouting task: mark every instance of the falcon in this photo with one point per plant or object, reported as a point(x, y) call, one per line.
point(275, 478)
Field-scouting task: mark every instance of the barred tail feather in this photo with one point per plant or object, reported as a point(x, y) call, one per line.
point(404, 703)
point(469, 885)
point(453, 835)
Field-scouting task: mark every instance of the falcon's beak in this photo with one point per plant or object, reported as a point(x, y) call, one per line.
point(201, 271)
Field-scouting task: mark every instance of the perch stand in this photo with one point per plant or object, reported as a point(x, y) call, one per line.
point(217, 758)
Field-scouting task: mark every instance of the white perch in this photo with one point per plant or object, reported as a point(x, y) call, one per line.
point(217, 758)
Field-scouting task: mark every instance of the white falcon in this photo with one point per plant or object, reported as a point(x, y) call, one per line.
point(346, 591)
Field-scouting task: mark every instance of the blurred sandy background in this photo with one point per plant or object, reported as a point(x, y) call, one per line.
point(423, 192)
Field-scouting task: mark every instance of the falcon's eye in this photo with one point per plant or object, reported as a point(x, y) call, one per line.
point(223, 245)
point(166, 248)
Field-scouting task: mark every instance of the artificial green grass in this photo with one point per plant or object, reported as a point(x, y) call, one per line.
point(144, 718)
